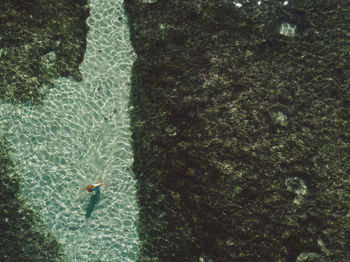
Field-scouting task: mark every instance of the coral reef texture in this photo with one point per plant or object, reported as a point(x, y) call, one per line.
point(240, 132)
point(39, 40)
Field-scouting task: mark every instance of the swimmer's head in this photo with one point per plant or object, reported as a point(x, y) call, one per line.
point(89, 188)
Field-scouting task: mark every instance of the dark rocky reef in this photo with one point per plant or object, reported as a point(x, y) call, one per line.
point(241, 134)
point(39, 40)
point(23, 237)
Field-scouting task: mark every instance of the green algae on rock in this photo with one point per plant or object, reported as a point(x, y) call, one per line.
point(39, 40)
point(23, 237)
point(240, 132)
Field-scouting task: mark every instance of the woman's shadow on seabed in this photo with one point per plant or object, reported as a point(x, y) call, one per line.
point(92, 203)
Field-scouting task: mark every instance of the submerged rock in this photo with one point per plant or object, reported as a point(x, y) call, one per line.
point(42, 40)
point(239, 122)
point(310, 257)
point(288, 29)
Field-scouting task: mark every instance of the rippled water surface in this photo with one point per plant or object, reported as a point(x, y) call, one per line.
point(78, 136)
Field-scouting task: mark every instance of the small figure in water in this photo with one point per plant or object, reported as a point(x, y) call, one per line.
point(94, 187)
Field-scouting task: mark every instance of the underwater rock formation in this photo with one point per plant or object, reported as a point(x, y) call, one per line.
point(23, 237)
point(39, 40)
point(241, 131)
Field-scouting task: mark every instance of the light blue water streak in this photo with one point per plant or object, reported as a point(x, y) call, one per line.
point(79, 134)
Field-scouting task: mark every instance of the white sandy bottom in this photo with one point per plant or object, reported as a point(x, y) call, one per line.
point(80, 134)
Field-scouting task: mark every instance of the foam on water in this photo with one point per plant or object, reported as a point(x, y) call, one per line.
point(80, 134)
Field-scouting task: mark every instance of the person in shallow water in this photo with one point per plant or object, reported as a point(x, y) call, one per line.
point(94, 187)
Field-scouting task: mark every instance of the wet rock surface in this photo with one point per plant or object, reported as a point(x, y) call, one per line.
point(39, 40)
point(240, 132)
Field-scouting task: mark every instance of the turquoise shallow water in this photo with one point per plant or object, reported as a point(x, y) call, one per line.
point(81, 134)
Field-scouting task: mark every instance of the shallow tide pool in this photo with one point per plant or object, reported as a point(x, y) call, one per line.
point(79, 135)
